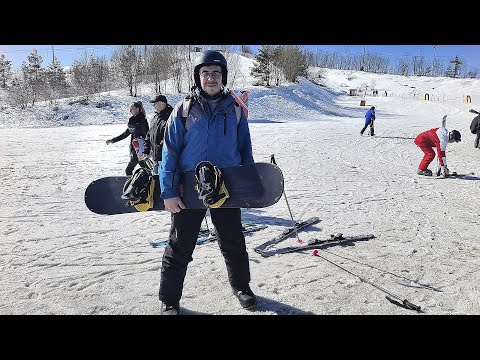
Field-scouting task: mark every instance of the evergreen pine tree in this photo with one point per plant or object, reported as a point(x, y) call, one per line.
point(263, 64)
point(5, 71)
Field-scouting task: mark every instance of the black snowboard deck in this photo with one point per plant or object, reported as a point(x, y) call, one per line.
point(257, 185)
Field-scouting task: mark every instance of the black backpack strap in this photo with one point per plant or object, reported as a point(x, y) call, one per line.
point(238, 111)
point(187, 103)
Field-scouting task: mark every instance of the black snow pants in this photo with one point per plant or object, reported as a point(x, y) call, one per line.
point(133, 161)
point(183, 238)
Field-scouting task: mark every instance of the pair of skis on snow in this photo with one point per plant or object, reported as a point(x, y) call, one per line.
point(266, 249)
point(209, 235)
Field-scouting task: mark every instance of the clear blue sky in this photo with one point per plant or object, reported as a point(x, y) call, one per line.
point(67, 53)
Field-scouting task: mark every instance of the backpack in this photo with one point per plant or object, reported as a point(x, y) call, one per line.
point(139, 189)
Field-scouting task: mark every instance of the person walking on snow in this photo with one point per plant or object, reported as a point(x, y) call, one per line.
point(369, 119)
point(435, 138)
point(154, 137)
point(137, 127)
point(211, 132)
point(475, 129)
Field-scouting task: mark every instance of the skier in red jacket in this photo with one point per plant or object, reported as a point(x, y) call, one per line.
point(438, 138)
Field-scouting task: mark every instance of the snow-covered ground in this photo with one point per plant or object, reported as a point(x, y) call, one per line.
point(56, 257)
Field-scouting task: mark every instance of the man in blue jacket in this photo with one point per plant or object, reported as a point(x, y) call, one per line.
point(369, 119)
point(210, 132)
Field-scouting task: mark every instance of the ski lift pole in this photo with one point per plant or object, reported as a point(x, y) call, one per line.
point(294, 223)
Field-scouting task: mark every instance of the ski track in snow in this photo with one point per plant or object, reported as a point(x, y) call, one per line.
point(56, 257)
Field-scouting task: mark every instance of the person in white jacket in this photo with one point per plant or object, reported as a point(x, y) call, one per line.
point(435, 138)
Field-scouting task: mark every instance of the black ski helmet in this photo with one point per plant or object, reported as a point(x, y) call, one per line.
point(210, 57)
point(455, 135)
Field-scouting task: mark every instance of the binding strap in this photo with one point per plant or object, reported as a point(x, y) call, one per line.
point(210, 185)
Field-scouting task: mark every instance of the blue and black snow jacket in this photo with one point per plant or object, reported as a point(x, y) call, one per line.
point(216, 136)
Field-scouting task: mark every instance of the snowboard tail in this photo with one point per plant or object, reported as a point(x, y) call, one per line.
point(257, 185)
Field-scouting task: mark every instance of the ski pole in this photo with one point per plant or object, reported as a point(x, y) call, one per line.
point(400, 302)
point(272, 160)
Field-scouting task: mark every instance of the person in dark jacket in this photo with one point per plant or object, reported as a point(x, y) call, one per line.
point(475, 129)
point(154, 137)
point(137, 127)
point(369, 119)
point(211, 132)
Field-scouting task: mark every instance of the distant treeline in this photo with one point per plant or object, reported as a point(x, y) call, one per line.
point(169, 67)
point(414, 66)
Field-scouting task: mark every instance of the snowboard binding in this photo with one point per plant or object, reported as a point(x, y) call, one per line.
point(210, 184)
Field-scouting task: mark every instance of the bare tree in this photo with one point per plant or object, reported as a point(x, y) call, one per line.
point(472, 73)
point(101, 72)
point(246, 51)
point(91, 74)
point(234, 68)
point(176, 67)
point(139, 66)
point(291, 59)
point(402, 67)
point(438, 68)
point(277, 73)
point(316, 75)
point(187, 59)
point(419, 66)
point(128, 61)
point(159, 62)
point(83, 79)
point(19, 93)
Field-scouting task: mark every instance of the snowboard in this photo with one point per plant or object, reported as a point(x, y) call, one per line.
point(256, 185)
point(454, 175)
